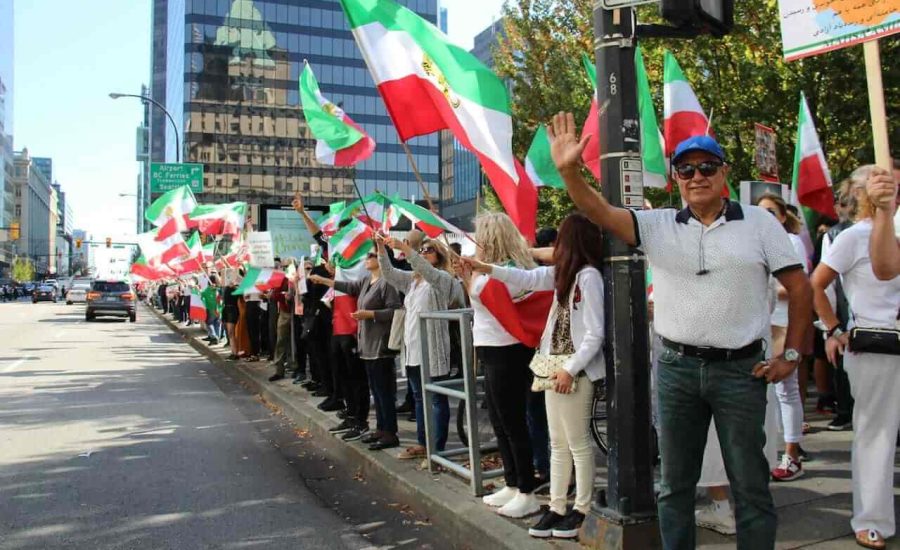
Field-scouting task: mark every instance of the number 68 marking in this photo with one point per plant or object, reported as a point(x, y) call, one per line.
point(613, 89)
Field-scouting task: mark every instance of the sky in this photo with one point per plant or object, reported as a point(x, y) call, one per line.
point(69, 55)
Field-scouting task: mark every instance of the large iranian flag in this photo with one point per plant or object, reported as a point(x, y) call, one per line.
point(193, 262)
point(684, 117)
point(143, 269)
point(351, 243)
point(220, 219)
point(427, 221)
point(430, 84)
point(652, 155)
point(811, 180)
point(591, 154)
point(330, 221)
point(162, 251)
point(539, 163)
point(171, 211)
point(340, 141)
point(375, 211)
point(260, 279)
point(198, 310)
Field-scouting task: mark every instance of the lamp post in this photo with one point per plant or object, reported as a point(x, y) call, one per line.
point(114, 95)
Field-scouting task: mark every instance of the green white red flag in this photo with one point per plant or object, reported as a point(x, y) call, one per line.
point(427, 221)
point(811, 181)
point(171, 211)
point(220, 219)
point(351, 243)
point(162, 251)
point(539, 163)
point(524, 317)
point(193, 262)
point(141, 268)
point(330, 221)
point(260, 279)
point(340, 141)
point(591, 154)
point(198, 309)
point(375, 211)
point(430, 84)
point(652, 156)
point(684, 117)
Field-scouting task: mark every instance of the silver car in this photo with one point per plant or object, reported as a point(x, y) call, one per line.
point(77, 294)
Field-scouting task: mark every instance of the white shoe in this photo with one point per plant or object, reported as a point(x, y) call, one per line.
point(720, 520)
point(519, 507)
point(501, 497)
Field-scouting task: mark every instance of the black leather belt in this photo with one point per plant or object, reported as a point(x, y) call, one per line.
point(715, 354)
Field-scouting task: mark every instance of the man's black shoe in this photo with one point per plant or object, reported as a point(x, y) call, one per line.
point(386, 442)
point(276, 377)
point(330, 405)
point(840, 423)
point(213, 342)
point(321, 393)
point(372, 437)
point(357, 432)
point(342, 414)
point(310, 384)
point(406, 407)
point(344, 426)
point(543, 529)
point(207, 339)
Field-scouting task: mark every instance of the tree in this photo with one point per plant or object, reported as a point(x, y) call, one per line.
point(22, 270)
point(741, 78)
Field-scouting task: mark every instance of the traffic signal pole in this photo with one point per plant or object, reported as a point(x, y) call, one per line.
point(623, 516)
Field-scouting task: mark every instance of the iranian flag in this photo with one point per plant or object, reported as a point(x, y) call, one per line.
point(143, 269)
point(430, 84)
point(330, 221)
point(652, 155)
point(591, 154)
point(171, 211)
point(430, 223)
point(524, 316)
point(375, 211)
point(162, 251)
point(198, 310)
point(684, 117)
point(259, 279)
point(339, 140)
point(220, 219)
point(539, 164)
point(194, 260)
point(811, 181)
point(351, 243)
point(345, 304)
point(209, 252)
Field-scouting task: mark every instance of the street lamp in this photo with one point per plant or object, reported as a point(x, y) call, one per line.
point(127, 195)
point(114, 95)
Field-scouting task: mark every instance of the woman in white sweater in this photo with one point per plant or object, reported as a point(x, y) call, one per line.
point(574, 328)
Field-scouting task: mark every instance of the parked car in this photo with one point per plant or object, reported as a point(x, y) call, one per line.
point(28, 288)
point(110, 297)
point(44, 293)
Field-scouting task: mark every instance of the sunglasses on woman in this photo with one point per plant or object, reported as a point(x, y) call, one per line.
point(707, 168)
point(427, 250)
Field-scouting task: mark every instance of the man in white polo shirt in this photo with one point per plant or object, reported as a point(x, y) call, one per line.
point(711, 263)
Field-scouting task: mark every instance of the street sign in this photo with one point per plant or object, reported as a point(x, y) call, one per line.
point(616, 4)
point(165, 176)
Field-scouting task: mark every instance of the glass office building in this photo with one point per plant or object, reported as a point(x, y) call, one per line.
point(228, 70)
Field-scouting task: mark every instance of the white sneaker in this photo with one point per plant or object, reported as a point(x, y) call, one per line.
point(520, 506)
point(718, 519)
point(501, 497)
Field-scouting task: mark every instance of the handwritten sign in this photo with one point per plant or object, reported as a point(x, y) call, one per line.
point(812, 27)
point(766, 157)
point(262, 253)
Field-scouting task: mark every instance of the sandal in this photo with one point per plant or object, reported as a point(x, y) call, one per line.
point(806, 428)
point(870, 539)
point(412, 452)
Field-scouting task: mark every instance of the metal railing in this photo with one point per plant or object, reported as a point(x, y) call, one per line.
point(451, 388)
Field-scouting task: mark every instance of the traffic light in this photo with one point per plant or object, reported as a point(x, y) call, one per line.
point(715, 17)
point(77, 243)
point(14, 231)
point(108, 242)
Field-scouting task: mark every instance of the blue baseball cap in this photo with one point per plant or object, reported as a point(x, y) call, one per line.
point(699, 143)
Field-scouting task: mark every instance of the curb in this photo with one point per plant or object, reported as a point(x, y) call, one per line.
point(450, 506)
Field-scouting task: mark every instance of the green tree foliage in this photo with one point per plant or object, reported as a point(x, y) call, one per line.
point(741, 79)
point(22, 270)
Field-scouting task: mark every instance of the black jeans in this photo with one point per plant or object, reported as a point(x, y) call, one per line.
point(507, 381)
point(318, 347)
point(343, 356)
point(252, 311)
point(383, 382)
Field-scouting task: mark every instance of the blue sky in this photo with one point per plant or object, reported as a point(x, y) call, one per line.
point(69, 55)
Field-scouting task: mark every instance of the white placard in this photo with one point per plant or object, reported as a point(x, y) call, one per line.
point(262, 253)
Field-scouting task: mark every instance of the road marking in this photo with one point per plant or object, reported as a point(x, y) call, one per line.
point(13, 366)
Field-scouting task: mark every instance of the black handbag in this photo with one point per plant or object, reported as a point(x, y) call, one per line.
point(875, 340)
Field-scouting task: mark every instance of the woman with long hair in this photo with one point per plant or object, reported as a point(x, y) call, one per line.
point(874, 375)
point(574, 328)
point(504, 359)
point(790, 398)
point(429, 287)
point(230, 312)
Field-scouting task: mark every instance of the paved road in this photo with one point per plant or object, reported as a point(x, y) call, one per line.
point(118, 435)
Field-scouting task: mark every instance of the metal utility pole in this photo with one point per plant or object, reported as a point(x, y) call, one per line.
point(624, 516)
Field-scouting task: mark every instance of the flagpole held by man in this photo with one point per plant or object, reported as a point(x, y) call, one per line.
point(711, 263)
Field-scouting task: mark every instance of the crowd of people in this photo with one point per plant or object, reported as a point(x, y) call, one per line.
point(735, 343)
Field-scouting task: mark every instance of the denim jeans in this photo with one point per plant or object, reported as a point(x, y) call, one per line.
point(440, 408)
point(690, 392)
point(213, 327)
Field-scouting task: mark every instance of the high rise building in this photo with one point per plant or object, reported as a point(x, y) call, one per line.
point(34, 202)
point(142, 156)
point(7, 189)
point(228, 70)
point(45, 165)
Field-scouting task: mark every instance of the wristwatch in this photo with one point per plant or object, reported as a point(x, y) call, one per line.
point(791, 355)
point(835, 332)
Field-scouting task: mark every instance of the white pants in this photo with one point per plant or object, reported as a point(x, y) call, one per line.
point(875, 384)
point(790, 404)
point(568, 417)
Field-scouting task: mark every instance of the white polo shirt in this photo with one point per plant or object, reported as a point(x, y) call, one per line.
point(727, 306)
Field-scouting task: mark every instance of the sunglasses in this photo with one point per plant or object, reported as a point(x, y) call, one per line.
point(371, 256)
point(427, 250)
point(707, 168)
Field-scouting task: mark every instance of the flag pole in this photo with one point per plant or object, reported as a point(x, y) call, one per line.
point(877, 112)
point(415, 169)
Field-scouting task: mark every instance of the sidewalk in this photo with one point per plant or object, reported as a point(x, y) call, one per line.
point(813, 512)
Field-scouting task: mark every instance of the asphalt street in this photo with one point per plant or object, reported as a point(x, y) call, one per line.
point(119, 435)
